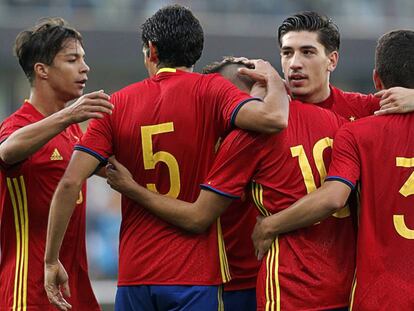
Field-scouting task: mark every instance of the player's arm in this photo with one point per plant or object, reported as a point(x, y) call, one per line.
point(27, 140)
point(80, 167)
point(194, 217)
point(312, 208)
point(271, 115)
point(395, 100)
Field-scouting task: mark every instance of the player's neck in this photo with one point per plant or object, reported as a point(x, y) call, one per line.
point(46, 101)
point(316, 97)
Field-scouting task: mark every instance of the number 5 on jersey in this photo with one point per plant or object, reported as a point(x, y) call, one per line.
point(151, 159)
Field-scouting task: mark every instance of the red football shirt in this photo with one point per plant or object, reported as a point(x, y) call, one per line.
point(378, 152)
point(164, 130)
point(350, 105)
point(311, 268)
point(238, 225)
point(26, 191)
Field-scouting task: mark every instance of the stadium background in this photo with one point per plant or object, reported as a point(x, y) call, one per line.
point(232, 27)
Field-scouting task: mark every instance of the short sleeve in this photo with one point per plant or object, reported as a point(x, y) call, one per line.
point(97, 140)
point(235, 164)
point(8, 127)
point(345, 164)
point(228, 98)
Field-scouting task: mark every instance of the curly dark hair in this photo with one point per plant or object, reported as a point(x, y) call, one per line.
point(41, 43)
point(327, 30)
point(177, 34)
point(394, 58)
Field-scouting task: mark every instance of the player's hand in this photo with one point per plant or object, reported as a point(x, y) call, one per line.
point(395, 100)
point(118, 176)
point(89, 106)
point(261, 239)
point(262, 71)
point(56, 282)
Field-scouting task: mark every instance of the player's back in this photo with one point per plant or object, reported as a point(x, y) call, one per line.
point(386, 223)
point(164, 130)
point(302, 266)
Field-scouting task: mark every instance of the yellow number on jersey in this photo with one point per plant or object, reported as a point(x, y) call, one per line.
point(151, 159)
point(406, 190)
point(305, 168)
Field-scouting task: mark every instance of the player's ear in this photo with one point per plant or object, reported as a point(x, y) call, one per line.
point(41, 70)
point(377, 81)
point(152, 52)
point(333, 60)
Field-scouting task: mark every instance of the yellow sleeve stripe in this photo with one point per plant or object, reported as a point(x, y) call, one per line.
point(18, 197)
point(354, 285)
point(224, 265)
point(257, 195)
point(272, 257)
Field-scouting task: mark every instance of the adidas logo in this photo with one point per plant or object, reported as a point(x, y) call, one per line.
point(56, 155)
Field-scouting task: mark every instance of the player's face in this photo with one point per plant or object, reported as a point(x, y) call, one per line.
point(68, 73)
point(306, 66)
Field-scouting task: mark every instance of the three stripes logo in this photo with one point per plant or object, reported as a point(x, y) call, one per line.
point(18, 197)
point(56, 155)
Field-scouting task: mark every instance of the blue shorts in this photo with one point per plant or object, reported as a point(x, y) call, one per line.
point(240, 300)
point(168, 298)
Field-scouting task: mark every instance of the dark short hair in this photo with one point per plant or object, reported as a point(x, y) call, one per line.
point(228, 69)
point(394, 58)
point(177, 35)
point(327, 30)
point(41, 43)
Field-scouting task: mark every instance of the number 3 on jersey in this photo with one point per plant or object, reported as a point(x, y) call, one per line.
point(318, 149)
point(151, 159)
point(406, 190)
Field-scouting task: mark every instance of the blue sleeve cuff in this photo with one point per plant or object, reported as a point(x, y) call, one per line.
point(209, 188)
point(343, 180)
point(100, 158)
point(238, 107)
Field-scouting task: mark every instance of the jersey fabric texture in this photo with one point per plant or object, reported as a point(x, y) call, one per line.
point(164, 130)
point(26, 192)
point(350, 105)
point(311, 268)
point(377, 152)
point(238, 221)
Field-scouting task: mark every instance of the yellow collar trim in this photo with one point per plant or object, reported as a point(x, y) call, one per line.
point(166, 69)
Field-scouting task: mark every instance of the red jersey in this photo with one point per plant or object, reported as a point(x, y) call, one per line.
point(164, 130)
point(238, 222)
point(300, 271)
point(350, 105)
point(378, 152)
point(26, 192)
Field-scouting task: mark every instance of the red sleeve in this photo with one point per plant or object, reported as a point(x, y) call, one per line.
point(8, 127)
point(97, 140)
point(235, 164)
point(227, 97)
point(345, 164)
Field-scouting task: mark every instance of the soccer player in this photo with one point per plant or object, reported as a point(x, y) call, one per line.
point(309, 51)
point(36, 145)
point(309, 46)
point(375, 153)
point(301, 272)
point(164, 129)
point(238, 220)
